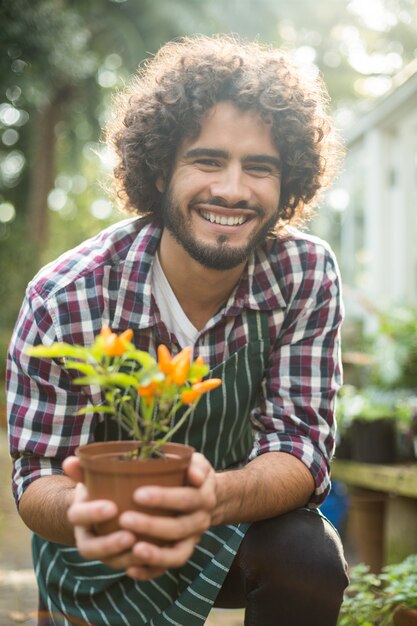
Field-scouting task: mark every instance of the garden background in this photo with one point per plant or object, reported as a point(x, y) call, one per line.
point(61, 62)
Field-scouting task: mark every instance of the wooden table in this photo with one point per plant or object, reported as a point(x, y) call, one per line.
point(397, 479)
point(382, 518)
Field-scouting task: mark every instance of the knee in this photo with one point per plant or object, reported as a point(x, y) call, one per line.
point(298, 544)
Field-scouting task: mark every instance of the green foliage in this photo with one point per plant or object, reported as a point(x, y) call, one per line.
point(372, 403)
point(400, 583)
point(143, 395)
point(363, 603)
point(372, 599)
point(394, 348)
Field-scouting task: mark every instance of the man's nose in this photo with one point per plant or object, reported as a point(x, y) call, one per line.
point(231, 186)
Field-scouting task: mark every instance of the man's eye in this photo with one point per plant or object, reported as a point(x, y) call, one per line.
point(259, 169)
point(207, 162)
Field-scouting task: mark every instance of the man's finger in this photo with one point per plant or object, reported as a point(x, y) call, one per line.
point(82, 513)
point(167, 528)
point(178, 499)
point(162, 557)
point(198, 470)
point(144, 572)
point(72, 468)
point(106, 548)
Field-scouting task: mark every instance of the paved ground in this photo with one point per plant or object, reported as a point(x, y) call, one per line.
point(18, 594)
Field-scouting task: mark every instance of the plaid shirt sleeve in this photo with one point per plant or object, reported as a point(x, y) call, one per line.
point(40, 399)
point(296, 414)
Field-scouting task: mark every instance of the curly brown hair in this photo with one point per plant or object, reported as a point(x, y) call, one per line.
point(170, 94)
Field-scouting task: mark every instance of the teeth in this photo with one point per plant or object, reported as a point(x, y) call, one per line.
point(221, 219)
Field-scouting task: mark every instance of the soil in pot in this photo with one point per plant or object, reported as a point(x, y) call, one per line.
point(111, 476)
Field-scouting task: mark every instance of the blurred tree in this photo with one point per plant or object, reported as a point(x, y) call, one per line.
point(58, 62)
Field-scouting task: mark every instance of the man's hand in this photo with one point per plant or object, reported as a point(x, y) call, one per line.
point(178, 534)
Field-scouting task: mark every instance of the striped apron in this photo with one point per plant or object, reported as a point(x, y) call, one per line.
point(77, 591)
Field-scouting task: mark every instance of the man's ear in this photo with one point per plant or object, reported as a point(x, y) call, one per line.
point(160, 183)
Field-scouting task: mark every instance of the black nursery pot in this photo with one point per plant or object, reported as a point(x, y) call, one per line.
point(344, 446)
point(374, 441)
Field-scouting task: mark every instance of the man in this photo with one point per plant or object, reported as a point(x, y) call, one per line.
point(221, 147)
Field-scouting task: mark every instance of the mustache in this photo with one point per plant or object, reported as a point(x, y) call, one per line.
point(220, 203)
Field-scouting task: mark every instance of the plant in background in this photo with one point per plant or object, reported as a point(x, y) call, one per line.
point(363, 603)
point(374, 424)
point(372, 403)
point(394, 348)
point(143, 394)
point(400, 583)
point(376, 599)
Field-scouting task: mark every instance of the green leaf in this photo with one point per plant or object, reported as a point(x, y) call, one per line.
point(141, 357)
point(101, 381)
point(95, 409)
point(197, 372)
point(58, 350)
point(85, 368)
point(122, 380)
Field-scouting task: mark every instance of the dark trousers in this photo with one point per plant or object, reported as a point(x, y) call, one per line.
point(290, 571)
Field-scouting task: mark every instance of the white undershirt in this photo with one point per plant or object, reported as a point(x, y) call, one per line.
point(170, 309)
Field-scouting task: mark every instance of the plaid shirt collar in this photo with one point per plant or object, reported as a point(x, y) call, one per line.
point(258, 288)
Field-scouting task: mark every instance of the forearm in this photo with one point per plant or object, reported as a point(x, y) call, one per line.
point(44, 505)
point(272, 484)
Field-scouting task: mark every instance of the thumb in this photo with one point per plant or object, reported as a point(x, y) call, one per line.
point(198, 470)
point(73, 469)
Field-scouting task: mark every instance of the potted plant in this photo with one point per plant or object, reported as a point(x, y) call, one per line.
point(373, 421)
point(385, 599)
point(144, 395)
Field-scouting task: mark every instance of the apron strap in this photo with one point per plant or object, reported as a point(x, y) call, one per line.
point(258, 326)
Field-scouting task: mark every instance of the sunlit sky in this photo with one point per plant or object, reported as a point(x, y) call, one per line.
point(374, 14)
point(375, 67)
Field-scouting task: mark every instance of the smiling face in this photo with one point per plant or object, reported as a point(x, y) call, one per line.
point(224, 190)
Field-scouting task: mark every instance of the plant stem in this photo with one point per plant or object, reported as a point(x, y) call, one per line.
point(180, 421)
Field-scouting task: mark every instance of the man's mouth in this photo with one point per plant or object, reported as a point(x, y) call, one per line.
point(231, 220)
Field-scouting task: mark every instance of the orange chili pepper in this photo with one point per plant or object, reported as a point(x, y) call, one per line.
point(105, 331)
point(149, 391)
point(146, 392)
point(180, 369)
point(185, 351)
point(126, 335)
point(164, 359)
point(113, 345)
point(207, 385)
point(188, 396)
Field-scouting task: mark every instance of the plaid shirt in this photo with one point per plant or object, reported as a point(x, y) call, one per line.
point(107, 280)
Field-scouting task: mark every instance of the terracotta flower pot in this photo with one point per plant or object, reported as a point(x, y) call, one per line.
point(108, 475)
point(405, 617)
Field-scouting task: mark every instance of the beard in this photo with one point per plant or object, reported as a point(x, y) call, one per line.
point(222, 255)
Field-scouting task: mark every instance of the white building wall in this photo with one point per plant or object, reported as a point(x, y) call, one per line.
point(381, 177)
point(408, 200)
point(377, 218)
